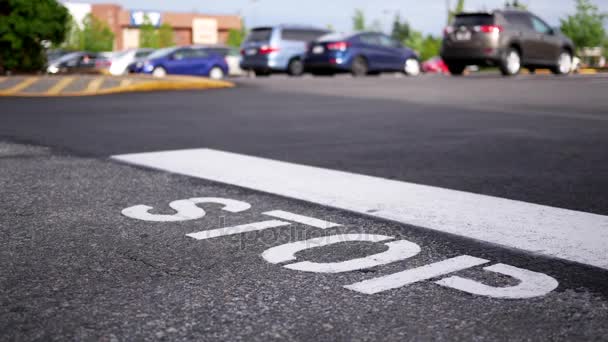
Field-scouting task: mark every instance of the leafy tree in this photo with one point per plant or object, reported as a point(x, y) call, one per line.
point(430, 47)
point(586, 26)
point(165, 36)
point(236, 37)
point(415, 41)
point(148, 37)
point(96, 35)
point(515, 4)
point(73, 39)
point(359, 20)
point(24, 26)
point(452, 13)
point(401, 30)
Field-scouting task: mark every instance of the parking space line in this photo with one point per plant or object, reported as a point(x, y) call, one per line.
point(567, 234)
point(310, 221)
point(94, 85)
point(21, 85)
point(60, 85)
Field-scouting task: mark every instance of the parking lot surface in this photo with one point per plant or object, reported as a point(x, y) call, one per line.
point(106, 238)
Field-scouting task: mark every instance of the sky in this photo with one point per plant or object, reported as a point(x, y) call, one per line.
point(428, 16)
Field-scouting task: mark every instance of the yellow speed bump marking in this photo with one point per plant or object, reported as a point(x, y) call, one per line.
point(586, 71)
point(2, 79)
point(126, 82)
point(59, 86)
point(94, 85)
point(21, 85)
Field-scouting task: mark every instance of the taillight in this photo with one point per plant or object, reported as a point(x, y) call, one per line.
point(489, 28)
point(448, 30)
point(242, 52)
point(341, 46)
point(264, 50)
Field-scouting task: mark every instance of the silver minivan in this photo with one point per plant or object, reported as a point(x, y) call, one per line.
point(267, 50)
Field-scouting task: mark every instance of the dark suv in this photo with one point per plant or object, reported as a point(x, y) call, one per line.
point(509, 39)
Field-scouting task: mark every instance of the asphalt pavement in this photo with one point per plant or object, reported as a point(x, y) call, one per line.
point(81, 260)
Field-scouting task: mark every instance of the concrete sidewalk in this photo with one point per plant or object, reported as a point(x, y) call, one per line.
point(86, 85)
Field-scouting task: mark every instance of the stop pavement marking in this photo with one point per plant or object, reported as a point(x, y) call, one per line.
point(560, 233)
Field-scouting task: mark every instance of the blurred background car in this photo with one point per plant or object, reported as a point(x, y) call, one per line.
point(78, 62)
point(435, 65)
point(188, 60)
point(280, 48)
point(509, 39)
point(360, 54)
point(121, 61)
point(232, 56)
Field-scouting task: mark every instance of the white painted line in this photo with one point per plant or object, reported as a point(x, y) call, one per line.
point(309, 221)
point(415, 275)
point(567, 234)
point(245, 228)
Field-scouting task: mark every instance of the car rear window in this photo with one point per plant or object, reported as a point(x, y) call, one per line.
point(301, 35)
point(473, 19)
point(260, 35)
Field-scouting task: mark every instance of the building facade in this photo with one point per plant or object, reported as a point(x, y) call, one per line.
point(188, 28)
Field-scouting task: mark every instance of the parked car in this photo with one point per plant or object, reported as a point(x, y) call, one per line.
point(360, 54)
point(121, 61)
point(435, 65)
point(510, 39)
point(232, 56)
point(77, 62)
point(277, 49)
point(188, 60)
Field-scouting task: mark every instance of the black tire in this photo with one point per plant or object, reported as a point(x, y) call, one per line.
point(505, 68)
point(359, 67)
point(261, 73)
point(456, 69)
point(295, 67)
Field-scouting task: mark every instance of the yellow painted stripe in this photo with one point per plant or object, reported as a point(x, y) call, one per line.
point(22, 85)
point(59, 86)
point(125, 83)
point(588, 71)
point(2, 79)
point(94, 85)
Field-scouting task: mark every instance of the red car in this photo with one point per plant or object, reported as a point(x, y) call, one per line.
point(435, 65)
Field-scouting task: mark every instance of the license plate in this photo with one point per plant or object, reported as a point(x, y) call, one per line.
point(251, 52)
point(318, 49)
point(466, 35)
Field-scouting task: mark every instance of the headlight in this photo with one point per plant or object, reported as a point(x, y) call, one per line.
point(52, 69)
point(148, 67)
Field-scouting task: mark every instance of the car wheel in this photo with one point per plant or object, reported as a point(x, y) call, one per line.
point(456, 69)
point(295, 67)
point(564, 64)
point(216, 73)
point(532, 71)
point(359, 67)
point(261, 73)
point(511, 63)
point(159, 72)
point(412, 67)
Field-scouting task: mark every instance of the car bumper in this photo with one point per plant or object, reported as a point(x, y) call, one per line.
point(472, 55)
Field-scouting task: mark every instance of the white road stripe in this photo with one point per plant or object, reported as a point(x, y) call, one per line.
point(310, 221)
point(567, 234)
point(245, 228)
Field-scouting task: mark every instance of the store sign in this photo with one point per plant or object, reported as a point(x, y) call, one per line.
point(204, 31)
point(139, 18)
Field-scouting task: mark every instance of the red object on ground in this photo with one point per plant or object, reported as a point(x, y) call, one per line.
point(435, 65)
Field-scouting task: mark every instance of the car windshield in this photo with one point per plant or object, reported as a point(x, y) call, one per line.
point(66, 58)
point(161, 53)
point(473, 19)
point(260, 35)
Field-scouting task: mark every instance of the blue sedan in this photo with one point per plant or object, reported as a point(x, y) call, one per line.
point(189, 60)
point(360, 54)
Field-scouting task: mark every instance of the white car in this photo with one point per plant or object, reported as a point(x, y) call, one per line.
point(121, 60)
point(231, 55)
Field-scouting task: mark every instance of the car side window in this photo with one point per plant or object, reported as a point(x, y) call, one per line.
point(386, 41)
point(181, 54)
point(540, 26)
point(519, 20)
point(301, 35)
point(370, 39)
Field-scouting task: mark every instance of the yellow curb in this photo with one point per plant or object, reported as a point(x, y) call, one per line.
point(586, 71)
point(19, 87)
point(59, 86)
point(94, 85)
point(144, 84)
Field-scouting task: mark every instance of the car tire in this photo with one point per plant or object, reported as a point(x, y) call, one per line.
point(456, 69)
point(564, 64)
point(159, 72)
point(216, 73)
point(412, 67)
point(532, 71)
point(261, 73)
point(510, 65)
point(295, 67)
point(359, 67)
